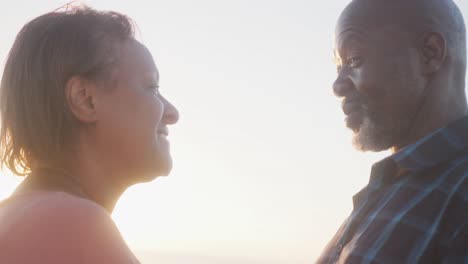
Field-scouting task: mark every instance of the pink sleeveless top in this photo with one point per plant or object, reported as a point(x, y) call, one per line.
point(54, 227)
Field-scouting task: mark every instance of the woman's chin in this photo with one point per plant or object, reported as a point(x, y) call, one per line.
point(162, 170)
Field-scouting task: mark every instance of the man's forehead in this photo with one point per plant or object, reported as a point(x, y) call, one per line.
point(368, 14)
point(358, 17)
point(347, 40)
point(365, 20)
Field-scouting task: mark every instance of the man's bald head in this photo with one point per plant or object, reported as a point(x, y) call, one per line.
point(401, 69)
point(414, 17)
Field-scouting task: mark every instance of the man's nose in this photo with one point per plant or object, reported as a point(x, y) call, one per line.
point(342, 86)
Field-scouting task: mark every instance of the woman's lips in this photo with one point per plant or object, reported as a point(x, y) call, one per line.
point(163, 132)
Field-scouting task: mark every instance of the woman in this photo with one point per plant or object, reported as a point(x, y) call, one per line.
point(82, 119)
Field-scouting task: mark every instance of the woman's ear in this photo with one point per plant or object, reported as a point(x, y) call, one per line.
point(81, 96)
point(433, 52)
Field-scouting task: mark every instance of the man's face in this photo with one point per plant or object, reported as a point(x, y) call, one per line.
point(379, 80)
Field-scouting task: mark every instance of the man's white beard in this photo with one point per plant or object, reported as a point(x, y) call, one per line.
point(371, 137)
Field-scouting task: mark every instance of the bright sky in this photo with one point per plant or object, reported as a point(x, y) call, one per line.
point(264, 169)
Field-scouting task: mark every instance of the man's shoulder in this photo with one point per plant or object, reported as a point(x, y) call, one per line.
point(455, 173)
point(452, 177)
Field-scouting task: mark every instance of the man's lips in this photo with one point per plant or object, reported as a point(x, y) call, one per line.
point(354, 111)
point(350, 107)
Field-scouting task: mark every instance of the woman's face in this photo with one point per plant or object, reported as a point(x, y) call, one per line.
point(133, 118)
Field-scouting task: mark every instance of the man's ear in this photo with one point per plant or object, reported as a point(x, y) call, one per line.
point(433, 51)
point(81, 96)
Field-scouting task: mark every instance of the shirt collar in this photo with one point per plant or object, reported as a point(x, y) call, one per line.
point(439, 146)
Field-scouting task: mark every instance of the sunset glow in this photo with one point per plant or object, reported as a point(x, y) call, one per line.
point(264, 169)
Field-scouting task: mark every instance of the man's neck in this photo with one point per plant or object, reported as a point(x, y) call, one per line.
point(430, 119)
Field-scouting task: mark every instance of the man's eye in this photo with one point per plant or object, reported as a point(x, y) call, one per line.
point(354, 61)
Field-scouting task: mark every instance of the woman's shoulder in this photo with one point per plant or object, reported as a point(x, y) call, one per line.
point(31, 208)
point(61, 224)
point(41, 212)
point(53, 214)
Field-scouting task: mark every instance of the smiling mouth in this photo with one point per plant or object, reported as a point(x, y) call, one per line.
point(164, 132)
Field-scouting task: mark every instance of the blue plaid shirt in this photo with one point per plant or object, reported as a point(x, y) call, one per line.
point(420, 216)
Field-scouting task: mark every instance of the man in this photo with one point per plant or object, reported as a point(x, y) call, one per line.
point(401, 75)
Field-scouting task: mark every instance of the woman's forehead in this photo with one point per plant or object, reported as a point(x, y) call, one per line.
point(136, 59)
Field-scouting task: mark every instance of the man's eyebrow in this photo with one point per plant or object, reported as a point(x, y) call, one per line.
point(336, 57)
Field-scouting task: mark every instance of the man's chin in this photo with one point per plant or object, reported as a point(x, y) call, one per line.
point(361, 145)
point(367, 137)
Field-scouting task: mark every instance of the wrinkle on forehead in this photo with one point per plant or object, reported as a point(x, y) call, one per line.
point(349, 35)
point(362, 20)
point(365, 16)
point(413, 16)
point(410, 20)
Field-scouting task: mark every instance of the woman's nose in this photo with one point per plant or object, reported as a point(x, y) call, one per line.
point(171, 115)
